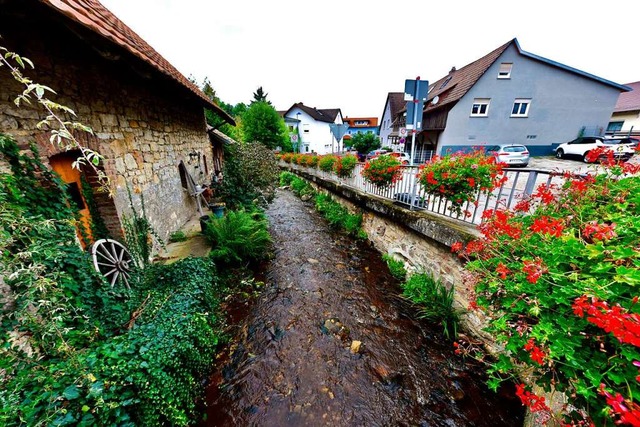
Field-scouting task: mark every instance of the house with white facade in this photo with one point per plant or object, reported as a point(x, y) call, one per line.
point(511, 96)
point(313, 128)
point(626, 114)
point(393, 105)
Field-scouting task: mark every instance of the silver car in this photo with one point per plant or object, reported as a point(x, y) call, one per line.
point(511, 154)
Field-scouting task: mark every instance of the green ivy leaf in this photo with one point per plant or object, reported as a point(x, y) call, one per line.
point(72, 392)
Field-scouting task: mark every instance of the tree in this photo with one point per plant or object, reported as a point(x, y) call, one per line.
point(262, 123)
point(260, 96)
point(365, 142)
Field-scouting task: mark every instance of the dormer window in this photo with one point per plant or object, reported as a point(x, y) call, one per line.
point(445, 83)
point(505, 70)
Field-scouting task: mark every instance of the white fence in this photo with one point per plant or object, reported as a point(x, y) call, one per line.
point(408, 192)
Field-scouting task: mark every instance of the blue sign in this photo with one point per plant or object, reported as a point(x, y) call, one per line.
point(415, 93)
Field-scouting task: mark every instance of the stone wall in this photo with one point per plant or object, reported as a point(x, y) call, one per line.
point(144, 123)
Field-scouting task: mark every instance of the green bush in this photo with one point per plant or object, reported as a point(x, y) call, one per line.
point(286, 178)
point(238, 237)
point(338, 216)
point(151, 375)
point(434, 301)
point(326, 162)
point(564, 273)
point(396, 267)
point(250, 175)
point(344, 166)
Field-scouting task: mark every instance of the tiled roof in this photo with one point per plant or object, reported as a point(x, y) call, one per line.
point(396, 101)
point(629, 101)
point(461, 80)
point(326, 115)
point(94, 16)
point(351, 121)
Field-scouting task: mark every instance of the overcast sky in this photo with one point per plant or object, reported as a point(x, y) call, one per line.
point(349, 54)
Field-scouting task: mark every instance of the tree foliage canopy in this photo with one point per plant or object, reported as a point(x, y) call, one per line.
point(262, 123)
point(364, 142)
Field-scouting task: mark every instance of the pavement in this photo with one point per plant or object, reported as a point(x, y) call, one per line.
point(561, 165)
point(195, 245)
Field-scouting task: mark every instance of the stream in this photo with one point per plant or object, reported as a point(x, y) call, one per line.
point(295, 361)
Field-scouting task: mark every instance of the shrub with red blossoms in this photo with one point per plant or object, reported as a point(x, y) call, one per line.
point(460, 177)
point(382, 171)
point(561, 281)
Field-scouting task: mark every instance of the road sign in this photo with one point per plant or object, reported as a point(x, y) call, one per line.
point(294, 137)
point(415, 93)
point(338, 130)
point(402, 132)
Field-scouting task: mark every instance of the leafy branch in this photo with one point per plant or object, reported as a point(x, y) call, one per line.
point(61, 130)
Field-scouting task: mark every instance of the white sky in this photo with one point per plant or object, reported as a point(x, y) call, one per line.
point(349, 54)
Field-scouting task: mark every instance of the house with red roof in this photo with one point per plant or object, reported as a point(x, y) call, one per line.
point(626, 114)
point(360, 125)
point(147, 118)
point(312, 126)
point(510, 96)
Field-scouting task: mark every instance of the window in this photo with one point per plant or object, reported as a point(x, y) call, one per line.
point(290, 128)
point(305, 128)
point(615, 126)
point(505, 70)
point(445, 83)
point(480, 107)
point(520, 108)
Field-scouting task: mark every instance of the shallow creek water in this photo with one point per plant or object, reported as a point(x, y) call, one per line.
point(292, 362)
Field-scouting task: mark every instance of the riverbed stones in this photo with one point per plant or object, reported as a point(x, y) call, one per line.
point(356, 346)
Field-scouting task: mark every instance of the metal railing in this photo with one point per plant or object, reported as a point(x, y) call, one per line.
point(407, 192)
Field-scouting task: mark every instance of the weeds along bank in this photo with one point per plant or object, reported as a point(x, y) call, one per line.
point(76, 350)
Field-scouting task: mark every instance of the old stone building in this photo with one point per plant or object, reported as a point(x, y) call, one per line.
point(147, 118)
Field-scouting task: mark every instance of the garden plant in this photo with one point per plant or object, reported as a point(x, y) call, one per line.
point(382, 171)
point(559, 279)
point(344, 166)
point(459, 177)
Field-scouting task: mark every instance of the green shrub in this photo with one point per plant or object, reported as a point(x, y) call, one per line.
point(338, 216)
point(345, 165)
point(396, 267)
point(150, 375)
point(564, 273)
point(326, 162)
point(286, 178)
point(434, 301)
point(250, 175)
point(238, 237)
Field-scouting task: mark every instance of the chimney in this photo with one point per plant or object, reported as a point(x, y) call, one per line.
point(453, 70)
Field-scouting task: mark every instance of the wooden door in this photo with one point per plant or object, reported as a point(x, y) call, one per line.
point(71, 176)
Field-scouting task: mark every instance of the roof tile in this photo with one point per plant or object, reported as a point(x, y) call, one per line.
point(94, 16)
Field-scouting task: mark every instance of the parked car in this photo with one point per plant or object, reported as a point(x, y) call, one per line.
point(375, 153)
point(404, 158)
point(623, 140)
point(511, 154)
point(580, 147)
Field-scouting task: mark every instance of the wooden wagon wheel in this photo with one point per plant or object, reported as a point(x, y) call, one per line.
point(112, 260)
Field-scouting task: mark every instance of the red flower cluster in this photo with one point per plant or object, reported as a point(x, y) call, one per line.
point(595, 231)
point(547, 225)
point(502, 270)
point(627, 412)
point(382, 171)
point(530, 400)
point(536, 353)
point(534, 270)
point(498, 224)
point(456, 247)
point(616, 320)
point(545, 193)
